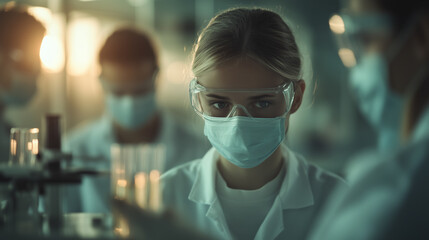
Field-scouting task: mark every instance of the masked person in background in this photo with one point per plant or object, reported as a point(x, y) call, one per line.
point(388, 194)
point(129, 68)
point(21, 36)
point(250, 185)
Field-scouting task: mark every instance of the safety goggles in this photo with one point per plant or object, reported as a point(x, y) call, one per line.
point(356, 34)
point(253, 103)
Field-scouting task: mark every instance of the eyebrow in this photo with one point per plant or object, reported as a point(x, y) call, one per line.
point(251, 98)
point(217, 96)
point(261, 96)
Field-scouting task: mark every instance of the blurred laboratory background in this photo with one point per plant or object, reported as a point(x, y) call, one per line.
point(327, 129)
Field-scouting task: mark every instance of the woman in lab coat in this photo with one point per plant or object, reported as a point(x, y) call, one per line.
point(247, 82)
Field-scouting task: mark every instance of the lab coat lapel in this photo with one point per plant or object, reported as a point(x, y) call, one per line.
point(203, 189)
point(295, 193)
point(204, 192)
point(273, 224)
point(215, 213)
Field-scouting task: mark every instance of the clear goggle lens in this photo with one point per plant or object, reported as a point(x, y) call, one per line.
point(253, 103)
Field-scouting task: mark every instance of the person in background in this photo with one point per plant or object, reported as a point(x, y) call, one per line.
point(21, 36)
point(129, 68)
point(250, 185)
point(387, 196)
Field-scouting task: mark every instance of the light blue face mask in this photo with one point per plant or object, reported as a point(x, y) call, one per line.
point(22, 89)
point(381, 106)
point(129, 111)
point(245, 142)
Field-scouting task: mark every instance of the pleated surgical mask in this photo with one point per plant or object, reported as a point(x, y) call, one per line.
point(131, 111)
point(245, 142)
point(381, 106)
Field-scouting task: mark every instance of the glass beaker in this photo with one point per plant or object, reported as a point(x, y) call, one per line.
point(135, 178)
point(135, 174)
point(24, 146)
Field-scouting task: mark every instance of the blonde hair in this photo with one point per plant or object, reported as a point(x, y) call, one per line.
point(256, 33)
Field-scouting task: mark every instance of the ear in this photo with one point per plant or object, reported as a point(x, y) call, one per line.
point(299, 93)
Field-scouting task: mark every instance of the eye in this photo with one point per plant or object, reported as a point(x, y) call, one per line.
point(219, 105)
point(262, 104)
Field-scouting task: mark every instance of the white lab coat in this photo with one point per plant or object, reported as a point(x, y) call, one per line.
point(94, 140)
point(376, 191)
point(190, 190)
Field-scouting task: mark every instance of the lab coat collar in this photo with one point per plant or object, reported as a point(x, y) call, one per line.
point(295, 191)
point(203, 189)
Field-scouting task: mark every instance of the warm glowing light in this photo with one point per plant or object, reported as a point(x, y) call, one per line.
point(154, 175)
point(336, 24)
point(35, 146)
point(42, 14)
point(82, 40)
point(140, 180)
point(347, 57)
point(155, 194)
point(52, 54)
point(52, 49)
point(177, 72)
point(121, 190)
point(140, 189)
point(122, 183)
point(34, 130)
point(122, 228)
point(13, 147)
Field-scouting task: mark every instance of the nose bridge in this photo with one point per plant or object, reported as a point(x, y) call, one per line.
point(239, 110)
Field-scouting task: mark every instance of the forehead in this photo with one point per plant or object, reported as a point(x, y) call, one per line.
point(113, 71)
point(243, 73)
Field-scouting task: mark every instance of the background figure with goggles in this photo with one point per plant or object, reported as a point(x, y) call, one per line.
point(389, 54)
point(250, 185)
point(129, 68)
point(20, 40)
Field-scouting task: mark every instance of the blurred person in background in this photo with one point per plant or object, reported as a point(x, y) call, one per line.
point(388, 194)
point(129, 68)
point(250, 185)
point(21, 36)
